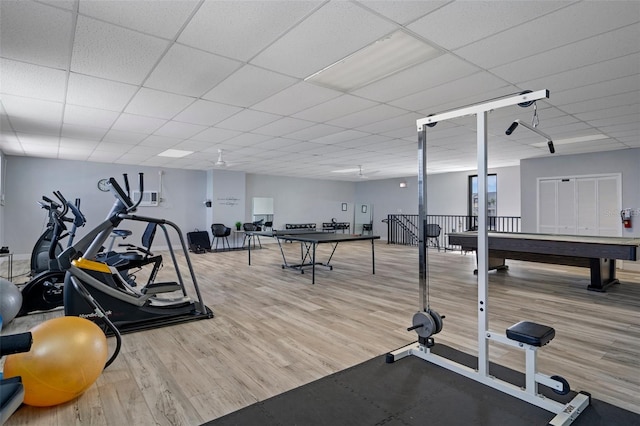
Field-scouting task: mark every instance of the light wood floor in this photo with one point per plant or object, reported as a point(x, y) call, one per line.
point(274, 331)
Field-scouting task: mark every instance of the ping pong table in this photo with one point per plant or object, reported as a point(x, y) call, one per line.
point(309, 241)
point(599, 254)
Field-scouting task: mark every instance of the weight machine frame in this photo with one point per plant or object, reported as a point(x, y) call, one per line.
point(565, 413)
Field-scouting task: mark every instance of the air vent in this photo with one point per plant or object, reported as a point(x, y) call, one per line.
point(149, 198)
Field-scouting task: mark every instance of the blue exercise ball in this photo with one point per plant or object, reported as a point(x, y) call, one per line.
point(10, 300)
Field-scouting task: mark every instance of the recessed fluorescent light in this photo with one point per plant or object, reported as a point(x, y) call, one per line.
point(577, 139)
point(175, 153)
point(384, 57)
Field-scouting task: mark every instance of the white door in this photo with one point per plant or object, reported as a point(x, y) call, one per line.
point(585, 205)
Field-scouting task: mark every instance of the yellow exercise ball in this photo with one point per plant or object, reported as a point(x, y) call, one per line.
point(66, 358)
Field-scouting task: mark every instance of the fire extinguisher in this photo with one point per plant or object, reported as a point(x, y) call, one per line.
point(625, 214)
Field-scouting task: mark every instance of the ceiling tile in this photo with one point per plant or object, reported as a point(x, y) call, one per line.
point(35, 33)
point(115, 53)
point(82, 132)
point(367, 116)
point(123, 137)
point(98, 93)
point(36, 126)
point(240, 29)
point(160, 141)
point(479, 20)
point(334, 108)
point(162, 19)
point(296, 98)
point(206, 113)
point(32, 109)
point(314, 132)
point(256, 84)
point(567, 25)
point(283, 126)
point(214, 135)
point(583, 76)
point(404, 121)
point(189, 71)
point(176, 129)
point(333, 32)
point(449, 92)
point(79, 115)
point(247, 120)
point(138, 123)
point(574, 57)
point(276, 143)
point(598, 90)
point(154, 103)
point(116, 148)
point(340, 137)
point(246, 139)
point(404, 11)
point(429, 74)
point(32, 81)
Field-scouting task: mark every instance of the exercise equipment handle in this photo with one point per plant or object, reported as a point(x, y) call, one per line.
point(15, 343)
point(415, 327)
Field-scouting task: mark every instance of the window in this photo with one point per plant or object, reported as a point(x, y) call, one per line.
point(492, 198)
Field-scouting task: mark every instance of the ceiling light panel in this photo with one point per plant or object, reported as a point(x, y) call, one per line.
point(333, 32)
point(174, 153)
point(383, 58)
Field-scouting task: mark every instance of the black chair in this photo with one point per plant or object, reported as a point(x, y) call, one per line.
point(368, 228)
point(433, 235)
point(268, 225)
point(221, 232)
point(248, 237)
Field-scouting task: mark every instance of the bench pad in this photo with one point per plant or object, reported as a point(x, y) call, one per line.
point(531, 333)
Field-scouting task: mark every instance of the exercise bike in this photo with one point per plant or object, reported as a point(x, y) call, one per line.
point(44, 291)
point(130, 308)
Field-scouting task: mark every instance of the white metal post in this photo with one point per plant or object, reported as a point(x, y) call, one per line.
point(483, 247)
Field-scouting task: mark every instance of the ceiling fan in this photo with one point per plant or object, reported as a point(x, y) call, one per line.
point(220, 162)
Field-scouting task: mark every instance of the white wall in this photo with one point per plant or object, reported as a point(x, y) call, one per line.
point(28, 179)
point(298, 200)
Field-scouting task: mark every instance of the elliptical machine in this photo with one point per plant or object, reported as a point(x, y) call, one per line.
point(44, 291)
point(130, 308)
point(41, 255)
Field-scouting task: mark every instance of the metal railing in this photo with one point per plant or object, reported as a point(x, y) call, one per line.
point(403, 228)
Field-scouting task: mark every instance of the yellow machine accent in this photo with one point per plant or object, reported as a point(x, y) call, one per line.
point(91, 265)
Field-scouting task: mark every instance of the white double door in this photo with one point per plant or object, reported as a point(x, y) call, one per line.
point(584, 205)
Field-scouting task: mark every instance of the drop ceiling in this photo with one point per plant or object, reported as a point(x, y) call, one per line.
point(121, 82)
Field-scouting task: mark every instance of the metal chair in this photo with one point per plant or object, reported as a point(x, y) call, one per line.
point(249, 237)
point(433, 235)
point(221, 232)
point(368, 228)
